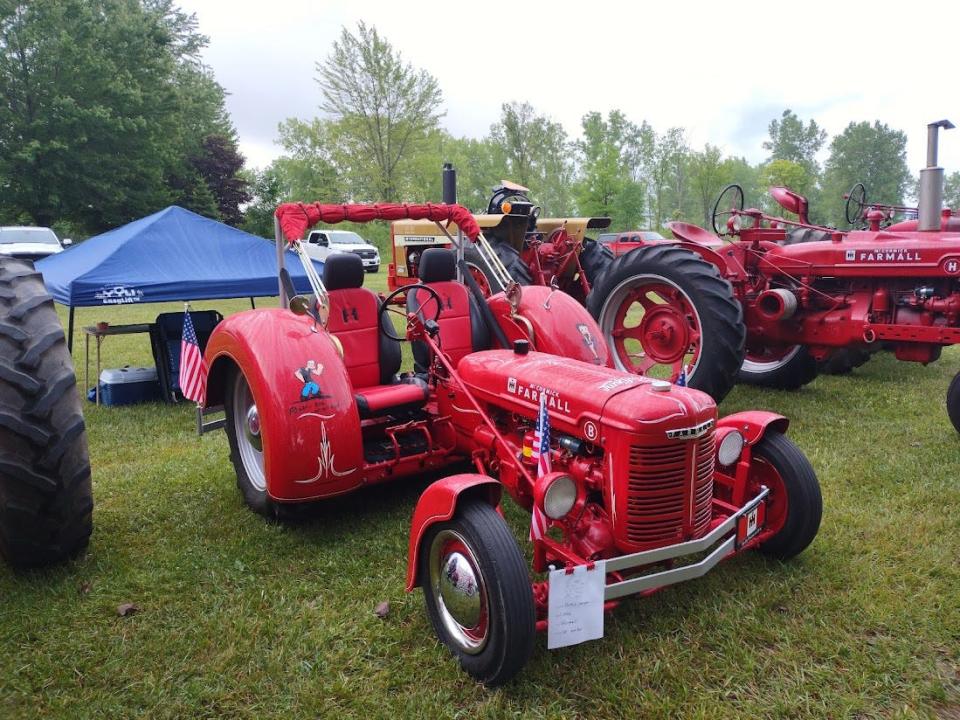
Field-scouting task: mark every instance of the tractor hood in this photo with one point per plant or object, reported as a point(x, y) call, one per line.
point(579, 394)
point(863, 253)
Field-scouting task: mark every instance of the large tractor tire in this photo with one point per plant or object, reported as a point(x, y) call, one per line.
point(781, 368)
point(508, 256)
point(595, 259)
point(663, 311)
point(46, 501)
point(953, 402)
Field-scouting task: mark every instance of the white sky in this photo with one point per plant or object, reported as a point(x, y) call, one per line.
point(722, 70)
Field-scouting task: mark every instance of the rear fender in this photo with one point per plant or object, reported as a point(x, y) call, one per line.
point(439, 503)
point(312, 445)
point(753, 424)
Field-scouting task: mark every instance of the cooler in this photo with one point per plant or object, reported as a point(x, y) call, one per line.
point(129, 385)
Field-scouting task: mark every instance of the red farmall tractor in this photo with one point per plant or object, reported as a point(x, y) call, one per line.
point(814, 295)
point(639, 479)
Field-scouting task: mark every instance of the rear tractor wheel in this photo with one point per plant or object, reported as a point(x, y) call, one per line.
point(953, 402)
point(46, 501)
point(508, 256)
point(478, 594)
point(664, 310)
point(783, 368)
point(244, 433)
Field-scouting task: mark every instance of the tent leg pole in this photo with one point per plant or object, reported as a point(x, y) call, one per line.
point(284, 300)
point(70, 332)
point(253, 305)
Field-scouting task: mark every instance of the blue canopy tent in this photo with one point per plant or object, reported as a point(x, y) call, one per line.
point(171, 255)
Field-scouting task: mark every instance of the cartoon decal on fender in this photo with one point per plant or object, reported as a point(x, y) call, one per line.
point(311, 388)
point(589, 342)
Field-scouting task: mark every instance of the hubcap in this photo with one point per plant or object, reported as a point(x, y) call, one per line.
point(652, 327)
point(459, 591)
point(246, 426)
point(769, 359)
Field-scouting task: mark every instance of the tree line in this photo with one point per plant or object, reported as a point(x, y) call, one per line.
point(108, 114)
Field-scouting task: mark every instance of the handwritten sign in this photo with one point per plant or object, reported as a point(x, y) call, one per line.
point(575, 606)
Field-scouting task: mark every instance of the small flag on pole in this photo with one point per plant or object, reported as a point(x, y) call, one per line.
point(193, 369)
point(682, 378)
point(541, 453)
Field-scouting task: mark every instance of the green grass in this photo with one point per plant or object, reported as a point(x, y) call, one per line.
point(243, 618)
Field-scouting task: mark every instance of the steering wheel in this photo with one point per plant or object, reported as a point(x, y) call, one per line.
point(388, 307)
point(856, 202)
point(731, 196)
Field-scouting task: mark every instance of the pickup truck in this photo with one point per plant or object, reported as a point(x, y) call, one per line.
point(30, 243)
point(623, 242)
point(323, 243)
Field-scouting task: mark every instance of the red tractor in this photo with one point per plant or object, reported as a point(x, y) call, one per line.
point(637, 478)
point(810, 295)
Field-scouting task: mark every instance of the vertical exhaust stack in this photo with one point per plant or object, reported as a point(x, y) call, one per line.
point(930, 202)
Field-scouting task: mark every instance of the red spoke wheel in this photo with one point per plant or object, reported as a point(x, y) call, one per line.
point(661, 309)
point(794, 505)
point(785, 367)
point(478, 593)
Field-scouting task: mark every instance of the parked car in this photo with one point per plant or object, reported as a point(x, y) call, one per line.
point(623, 242)
point(323, 243)
point(30, 243)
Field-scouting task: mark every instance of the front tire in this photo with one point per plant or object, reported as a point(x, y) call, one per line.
point(46, 501)
point(953, 402)
point(662, 308)
point(795, 505)
point(784, 369)
point(595, 259)
point(478, 594)
point(246, 444)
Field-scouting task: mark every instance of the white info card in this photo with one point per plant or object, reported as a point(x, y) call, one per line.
point(575, 606)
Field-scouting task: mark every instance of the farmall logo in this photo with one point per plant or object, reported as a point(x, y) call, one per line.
point(532, 392)
point(892, 255)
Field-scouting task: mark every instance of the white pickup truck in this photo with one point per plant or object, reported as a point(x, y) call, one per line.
point(323, 243)
point(30, 243)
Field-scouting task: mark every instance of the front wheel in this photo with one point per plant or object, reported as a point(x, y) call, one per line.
point(478, 593)
point(953, 402)
point(794, 505)
point(663, 311)
point(785, 368)
point(244, 434)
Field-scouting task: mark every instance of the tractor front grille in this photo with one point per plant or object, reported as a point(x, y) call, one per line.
point(669, 491)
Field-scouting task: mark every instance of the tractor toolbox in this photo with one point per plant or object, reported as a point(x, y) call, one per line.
point(129, 385)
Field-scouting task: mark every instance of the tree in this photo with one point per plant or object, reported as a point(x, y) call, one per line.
point(667, 175)
point(951, 192)
point(266, 191)
point(795, 141)
point(536, 154)
point(383, 108)
point(875, 155)
point(708, 176)
point(104, 102)
point(219, 164)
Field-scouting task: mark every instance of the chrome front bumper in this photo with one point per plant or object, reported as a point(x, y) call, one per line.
point(727, 546)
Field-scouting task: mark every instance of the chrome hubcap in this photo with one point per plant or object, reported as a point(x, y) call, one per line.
point(246, 426)
point(459, 591)
point(253, 428)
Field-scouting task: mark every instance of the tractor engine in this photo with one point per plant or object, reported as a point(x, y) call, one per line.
point(632, 459)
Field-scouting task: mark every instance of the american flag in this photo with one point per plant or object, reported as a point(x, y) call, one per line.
point(541, 453)
point(193, 370)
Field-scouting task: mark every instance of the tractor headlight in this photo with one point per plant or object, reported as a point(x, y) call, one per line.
point(728, 452)
point(559, 497)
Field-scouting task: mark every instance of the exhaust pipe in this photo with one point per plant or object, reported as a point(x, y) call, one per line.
point(777, 304)
point(930, 202)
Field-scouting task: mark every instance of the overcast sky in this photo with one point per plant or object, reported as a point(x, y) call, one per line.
point(722, 70)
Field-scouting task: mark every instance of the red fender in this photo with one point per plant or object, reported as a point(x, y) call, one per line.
point(753, 424)
point(312, 447)
point(438, 504)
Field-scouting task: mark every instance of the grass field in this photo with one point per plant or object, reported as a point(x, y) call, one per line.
point(243, 618)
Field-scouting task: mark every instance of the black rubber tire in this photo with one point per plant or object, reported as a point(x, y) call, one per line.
point(46, 500)
point(508, 256)
point(256, 499)
point(844, 361)
point(953, 402)
point(595, 259)
point(804, 501)
point(796, 372)
point(510, 599)
point(723, 333)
